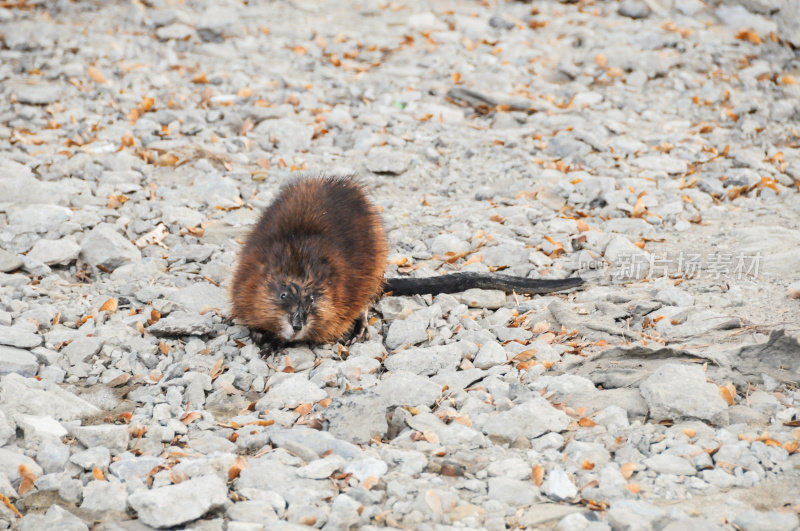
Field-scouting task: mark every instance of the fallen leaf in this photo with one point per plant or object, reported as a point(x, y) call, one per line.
point(154, 237)
point(216, 370)
point(239, 464)
point(200, 79)
point(98, 474)
point(728, 393)
point(96, 75)
point(189, 417)
point(627, 470)
point(115, 201)
point(601, 60)
point(541, 327)
point(689, 432)
point(749, 35)
point(586, 422)
point(639, 209)
point(28, 478)
point(525, 355)
point(537, 475)
point(632, 487)
point(164, 348)
point(587, 465)
point(110, 306)
point(369, 482)
point(7, 503)
point(303, 409)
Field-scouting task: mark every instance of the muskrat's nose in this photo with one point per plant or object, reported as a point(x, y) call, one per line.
point(297, 321)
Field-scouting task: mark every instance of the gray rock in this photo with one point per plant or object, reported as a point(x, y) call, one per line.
point(345, 512)
point(252, 511)
point(634, 9)
point(789, 22)
point(104, 496)
point(56, 252)
point(490, 354)
point(10, 462)
point(16, 360)
point(364, 468)
point(666, 163)
point(565, 146)
point(176, 32)
point(530, 419)
point(38, 427)
point(483, 298)
point(719, 478)
point(505, 255)
point(513, 492)
point(82, 349)
point(15, 336)
point(409, 331)
point(404, 388)
point(106, 247)
point(200, 296)
point(182, 324)
point(98, 457)
point(53, 456)
point(39, 217)
point(56, 518)
point(634, 514)
point(208, 443)
point(766, 521)
point(317, 441)
point(385, 160)
point(674, 297)
point(129, 467)
point(111, 436)
point(321, 468)
point(448, 243)
point(290, 136)
point(670, 464)
point(558, 485)
point(39, 94)
point(26, 395)
point(291, 390)
point(675, 391)
point(178, 504)
point(426, 361)
point(357, 417)
point(9, 261)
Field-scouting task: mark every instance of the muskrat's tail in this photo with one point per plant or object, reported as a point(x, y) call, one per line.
point(457, 282)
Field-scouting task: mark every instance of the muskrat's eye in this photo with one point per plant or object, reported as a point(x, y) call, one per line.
point(284, 295)
point(311, 298)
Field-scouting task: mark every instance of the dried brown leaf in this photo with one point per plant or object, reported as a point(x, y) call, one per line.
point(728, 393)
point(110, 306)
point(96, 75)
point(627, 470)
point(537, 475)
point(216, 370)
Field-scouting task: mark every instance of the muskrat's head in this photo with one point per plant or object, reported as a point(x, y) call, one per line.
point(298, 304)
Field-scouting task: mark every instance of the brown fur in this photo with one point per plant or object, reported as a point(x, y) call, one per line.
point(321, 237)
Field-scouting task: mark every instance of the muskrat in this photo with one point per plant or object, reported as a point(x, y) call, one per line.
point(314, 263)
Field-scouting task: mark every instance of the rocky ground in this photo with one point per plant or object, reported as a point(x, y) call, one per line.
point(651, 146)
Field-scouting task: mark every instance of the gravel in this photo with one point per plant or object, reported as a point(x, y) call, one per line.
point(650, 147)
